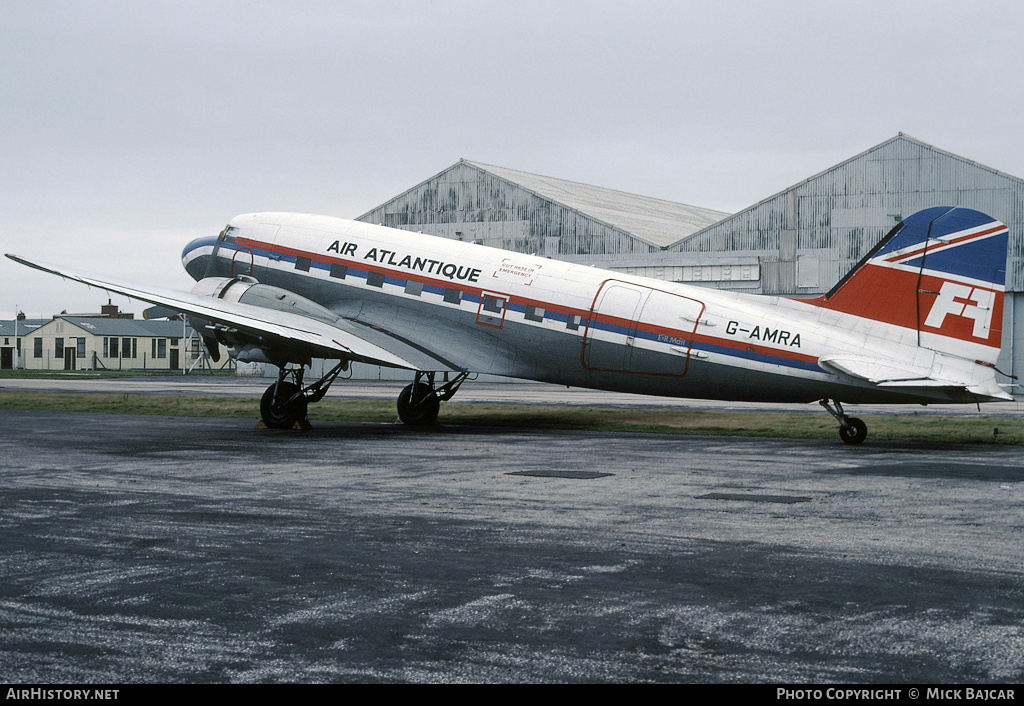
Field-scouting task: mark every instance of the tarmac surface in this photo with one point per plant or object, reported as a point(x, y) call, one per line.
point(158, 550)
point(518, 392)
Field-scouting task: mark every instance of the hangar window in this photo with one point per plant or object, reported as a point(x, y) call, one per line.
point(302, 263)
point(338, 271)
point(452, 296)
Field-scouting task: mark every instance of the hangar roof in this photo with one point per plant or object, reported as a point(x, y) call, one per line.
point(654, 221)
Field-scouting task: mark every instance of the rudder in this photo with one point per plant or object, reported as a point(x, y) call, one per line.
point(940, 272)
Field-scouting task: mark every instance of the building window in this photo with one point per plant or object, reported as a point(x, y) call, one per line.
point(106, 347)
point(113, 348)
point(126, 348)
point(37, 348)
point(159, 347)
point(80, 346)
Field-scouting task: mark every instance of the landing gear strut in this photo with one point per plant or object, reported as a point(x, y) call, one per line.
point(851, 429)
point(287, 401)
point(420, 402)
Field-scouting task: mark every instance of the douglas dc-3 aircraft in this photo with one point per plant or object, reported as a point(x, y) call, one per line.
point(917, 321)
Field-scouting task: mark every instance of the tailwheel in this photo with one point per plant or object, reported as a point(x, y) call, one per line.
point(282, 405)
point(855, 431)
point(851, 429)
point(420, 402)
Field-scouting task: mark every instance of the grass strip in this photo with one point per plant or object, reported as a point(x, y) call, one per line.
point(900, 426)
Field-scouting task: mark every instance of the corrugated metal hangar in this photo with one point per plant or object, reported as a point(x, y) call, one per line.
point(796, 243)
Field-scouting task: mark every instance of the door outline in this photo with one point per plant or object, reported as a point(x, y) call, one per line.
point(492, 319)
point(640, 323)
point(252, 261)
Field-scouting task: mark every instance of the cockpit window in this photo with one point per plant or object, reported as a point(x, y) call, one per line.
point(228, 234)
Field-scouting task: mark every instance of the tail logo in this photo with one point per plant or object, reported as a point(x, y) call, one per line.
point(963, 301)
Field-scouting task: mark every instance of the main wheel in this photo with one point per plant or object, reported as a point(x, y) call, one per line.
point(855, 431)
point(417, 404)
point(275, 409)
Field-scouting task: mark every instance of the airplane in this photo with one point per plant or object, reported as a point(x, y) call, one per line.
point(918, 320)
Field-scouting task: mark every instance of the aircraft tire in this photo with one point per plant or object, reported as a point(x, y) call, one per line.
point(855, 433)
point(423, 413)
point(282, 416)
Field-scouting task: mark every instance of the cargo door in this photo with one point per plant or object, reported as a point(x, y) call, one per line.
point(637, 329)
point(611, 326)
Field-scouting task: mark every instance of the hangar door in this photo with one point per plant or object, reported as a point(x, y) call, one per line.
point(637, 329)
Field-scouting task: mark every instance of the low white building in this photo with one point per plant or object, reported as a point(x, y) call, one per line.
point(12, 340)
point(87, 343)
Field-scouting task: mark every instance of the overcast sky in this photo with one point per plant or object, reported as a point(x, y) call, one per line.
point(127, 128)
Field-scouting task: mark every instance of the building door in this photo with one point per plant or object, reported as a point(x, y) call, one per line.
point(174, 359)
point(6, 358)
point(69, 358)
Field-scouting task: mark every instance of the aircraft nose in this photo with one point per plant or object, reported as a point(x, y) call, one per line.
point(195, 256)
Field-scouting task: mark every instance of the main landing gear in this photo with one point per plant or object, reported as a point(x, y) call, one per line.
point(286, 401)
point(851, 429)
point(420, 402)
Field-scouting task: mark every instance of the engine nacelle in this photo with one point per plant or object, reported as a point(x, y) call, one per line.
point(247, 290)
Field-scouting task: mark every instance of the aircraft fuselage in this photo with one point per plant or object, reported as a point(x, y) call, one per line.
point(485, 310)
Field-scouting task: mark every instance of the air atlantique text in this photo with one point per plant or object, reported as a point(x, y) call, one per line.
point(409, 262)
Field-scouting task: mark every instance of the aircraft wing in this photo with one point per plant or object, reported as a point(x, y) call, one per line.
point(344, 339)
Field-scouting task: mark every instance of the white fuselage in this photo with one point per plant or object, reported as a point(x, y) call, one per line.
point(484, 310)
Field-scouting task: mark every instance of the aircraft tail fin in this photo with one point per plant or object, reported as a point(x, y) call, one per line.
point(940, 272)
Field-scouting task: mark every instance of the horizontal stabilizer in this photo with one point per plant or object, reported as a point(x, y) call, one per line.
point(908, 377)
point(874, 370)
